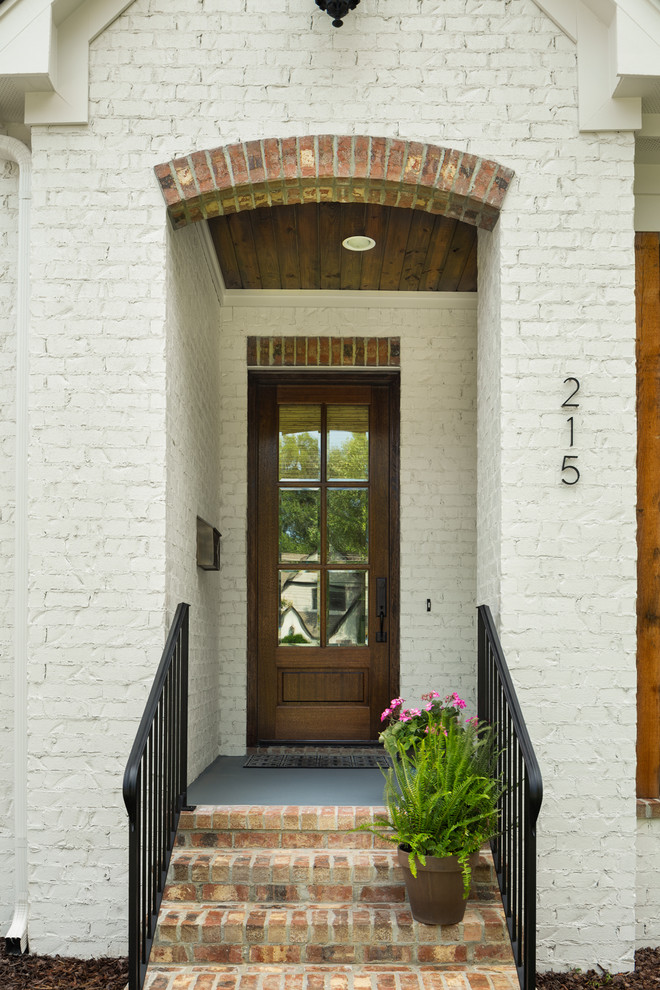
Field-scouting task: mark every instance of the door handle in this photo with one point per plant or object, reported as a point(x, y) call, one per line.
point(381, 608)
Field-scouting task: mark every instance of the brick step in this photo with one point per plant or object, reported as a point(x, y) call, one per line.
point(290, 876)
point(273, 827)
point(283, 977)
point(190, 933)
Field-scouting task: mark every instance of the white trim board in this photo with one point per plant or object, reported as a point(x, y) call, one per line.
point(347, 299)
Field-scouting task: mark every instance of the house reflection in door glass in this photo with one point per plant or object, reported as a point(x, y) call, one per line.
point(347, 608)
point(299, 608)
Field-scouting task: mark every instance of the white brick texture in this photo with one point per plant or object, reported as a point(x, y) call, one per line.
point(112, 501)
point(193, 478)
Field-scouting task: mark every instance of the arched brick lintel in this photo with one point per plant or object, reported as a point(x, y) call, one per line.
point(333, 168)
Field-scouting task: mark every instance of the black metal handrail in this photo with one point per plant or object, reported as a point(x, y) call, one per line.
point(155, 785)
point(514, 847)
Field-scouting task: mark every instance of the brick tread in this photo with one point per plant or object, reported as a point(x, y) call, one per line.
point(291, 977)
point(272, 827)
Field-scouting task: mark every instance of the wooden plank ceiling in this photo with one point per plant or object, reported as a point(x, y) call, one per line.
point(299, 247)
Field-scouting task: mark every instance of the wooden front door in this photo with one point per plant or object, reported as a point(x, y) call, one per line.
point(323, 556)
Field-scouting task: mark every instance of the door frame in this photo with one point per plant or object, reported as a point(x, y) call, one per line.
point(315, 377)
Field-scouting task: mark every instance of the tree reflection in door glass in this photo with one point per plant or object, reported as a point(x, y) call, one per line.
point(347, 608)
point(299, 608)
point(300, 443)
point(348, 524)
point(348, 443)
point(300, 538)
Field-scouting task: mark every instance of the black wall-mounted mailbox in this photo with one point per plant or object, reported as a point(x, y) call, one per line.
point(208, 546)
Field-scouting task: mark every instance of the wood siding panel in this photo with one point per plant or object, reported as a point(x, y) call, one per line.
point(647, 258)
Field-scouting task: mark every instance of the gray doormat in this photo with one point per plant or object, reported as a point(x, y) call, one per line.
point(323, 761)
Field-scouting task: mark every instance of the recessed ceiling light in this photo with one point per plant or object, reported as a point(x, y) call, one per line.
point(358, 242)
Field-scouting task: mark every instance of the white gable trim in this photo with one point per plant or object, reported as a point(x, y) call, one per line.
point(618, 49)
point(45, 53)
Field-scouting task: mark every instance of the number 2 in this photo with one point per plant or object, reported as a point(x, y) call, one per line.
point(568, 404)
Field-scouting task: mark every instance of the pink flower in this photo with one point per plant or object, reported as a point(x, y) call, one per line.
point(388, 711)
point(415, 711)
point(428, 707)
point(395, 702)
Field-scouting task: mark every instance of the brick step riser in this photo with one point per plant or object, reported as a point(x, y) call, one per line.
point(377, 892)
point(435, 956)
point(252, 976)
point(277, 839)
point(190, 934)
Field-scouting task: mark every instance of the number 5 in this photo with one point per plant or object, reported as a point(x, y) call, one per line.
point(570, 467)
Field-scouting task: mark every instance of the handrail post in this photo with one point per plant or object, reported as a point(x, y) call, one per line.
point(183, 767)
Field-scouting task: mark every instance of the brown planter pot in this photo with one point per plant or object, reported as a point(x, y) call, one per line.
point(436, 893)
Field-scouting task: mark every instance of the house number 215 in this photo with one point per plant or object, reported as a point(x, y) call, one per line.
point(569, 471)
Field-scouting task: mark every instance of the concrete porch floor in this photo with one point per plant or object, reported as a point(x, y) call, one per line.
point(227, 781)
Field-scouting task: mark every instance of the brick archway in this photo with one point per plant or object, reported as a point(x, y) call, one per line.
point(333, 168)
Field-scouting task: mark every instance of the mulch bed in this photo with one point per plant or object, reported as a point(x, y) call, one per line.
point(30, 972)
point(645, 977)
point(60, 973)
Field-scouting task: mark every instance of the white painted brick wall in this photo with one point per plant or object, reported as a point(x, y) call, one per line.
point(193, 478)
point(97, 531)
point(568, 552)
point(492, 79)
point(489, 423)
point(648, 882)
point(8, 249)
point(438, 502)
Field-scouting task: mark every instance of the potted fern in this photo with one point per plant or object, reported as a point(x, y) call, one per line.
point(441, 797)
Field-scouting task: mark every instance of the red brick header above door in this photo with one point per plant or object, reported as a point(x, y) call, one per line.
point(337, 169)
point(323, 352)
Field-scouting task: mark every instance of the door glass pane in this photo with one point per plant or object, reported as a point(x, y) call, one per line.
point(299, 608)
point(299, 539)
point(348, 443)
point(347, 608)
point(300, 443)
point(348, 524)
